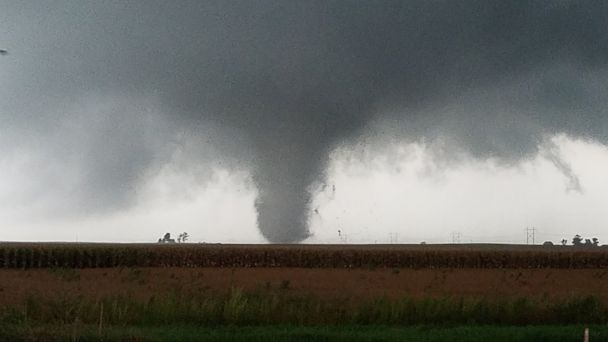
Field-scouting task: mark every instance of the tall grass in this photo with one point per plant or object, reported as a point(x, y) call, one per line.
point(243, 309)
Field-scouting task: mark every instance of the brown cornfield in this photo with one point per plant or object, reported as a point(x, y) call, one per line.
point(305, 256)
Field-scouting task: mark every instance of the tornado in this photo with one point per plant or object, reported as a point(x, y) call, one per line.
point(276, 86)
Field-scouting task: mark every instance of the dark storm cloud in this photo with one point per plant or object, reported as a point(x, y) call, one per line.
point(277, 85)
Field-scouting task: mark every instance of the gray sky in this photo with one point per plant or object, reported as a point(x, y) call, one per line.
point(235, 119)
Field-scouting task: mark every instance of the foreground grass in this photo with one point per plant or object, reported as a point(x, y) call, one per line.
point(279, 316)
point(291, 333)
point(237, 308)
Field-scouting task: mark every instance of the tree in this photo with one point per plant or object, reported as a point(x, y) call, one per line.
point(596, 242)
point(577, 240)
point(564, 242)
point(183, 237)
point(588, 242)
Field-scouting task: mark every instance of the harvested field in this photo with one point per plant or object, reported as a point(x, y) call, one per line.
point(144, 283)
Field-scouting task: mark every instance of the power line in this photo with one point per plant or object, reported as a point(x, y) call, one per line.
point(530, 235)
point(393, 237)
point(456, 237)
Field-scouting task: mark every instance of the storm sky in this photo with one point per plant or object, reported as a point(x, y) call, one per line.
point(284, 121)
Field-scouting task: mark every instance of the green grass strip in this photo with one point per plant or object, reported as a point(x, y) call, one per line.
point(295, 334)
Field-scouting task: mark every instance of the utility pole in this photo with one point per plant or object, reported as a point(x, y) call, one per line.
point(393, 237)
point(456, 237)
point(342, 236)
point(530, 235)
